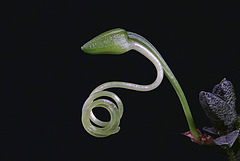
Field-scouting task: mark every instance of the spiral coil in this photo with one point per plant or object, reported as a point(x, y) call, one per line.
point(115, 110)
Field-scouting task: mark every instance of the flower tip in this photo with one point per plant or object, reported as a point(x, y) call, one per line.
point(87, 48)
point(110, 42)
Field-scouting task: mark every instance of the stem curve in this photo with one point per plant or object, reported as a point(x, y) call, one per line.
point(105, 43)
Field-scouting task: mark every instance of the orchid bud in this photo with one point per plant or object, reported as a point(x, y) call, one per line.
point(110, 42)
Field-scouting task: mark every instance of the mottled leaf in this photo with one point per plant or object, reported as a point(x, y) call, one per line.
point(219, 107)
point(225, 91)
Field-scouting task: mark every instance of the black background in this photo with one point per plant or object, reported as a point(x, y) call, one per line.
point(47, 78)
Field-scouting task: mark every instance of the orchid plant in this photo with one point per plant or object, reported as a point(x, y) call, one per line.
point(218, 105)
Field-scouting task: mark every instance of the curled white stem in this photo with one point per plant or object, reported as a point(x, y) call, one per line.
point(103, 128)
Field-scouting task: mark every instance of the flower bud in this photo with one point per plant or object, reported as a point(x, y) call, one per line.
point(110, 42)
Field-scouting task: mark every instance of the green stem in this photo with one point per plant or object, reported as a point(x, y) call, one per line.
point(185, 106)
point(182, 99)
point(171, 78)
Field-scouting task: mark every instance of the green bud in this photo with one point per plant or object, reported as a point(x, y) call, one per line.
point(110, 42)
